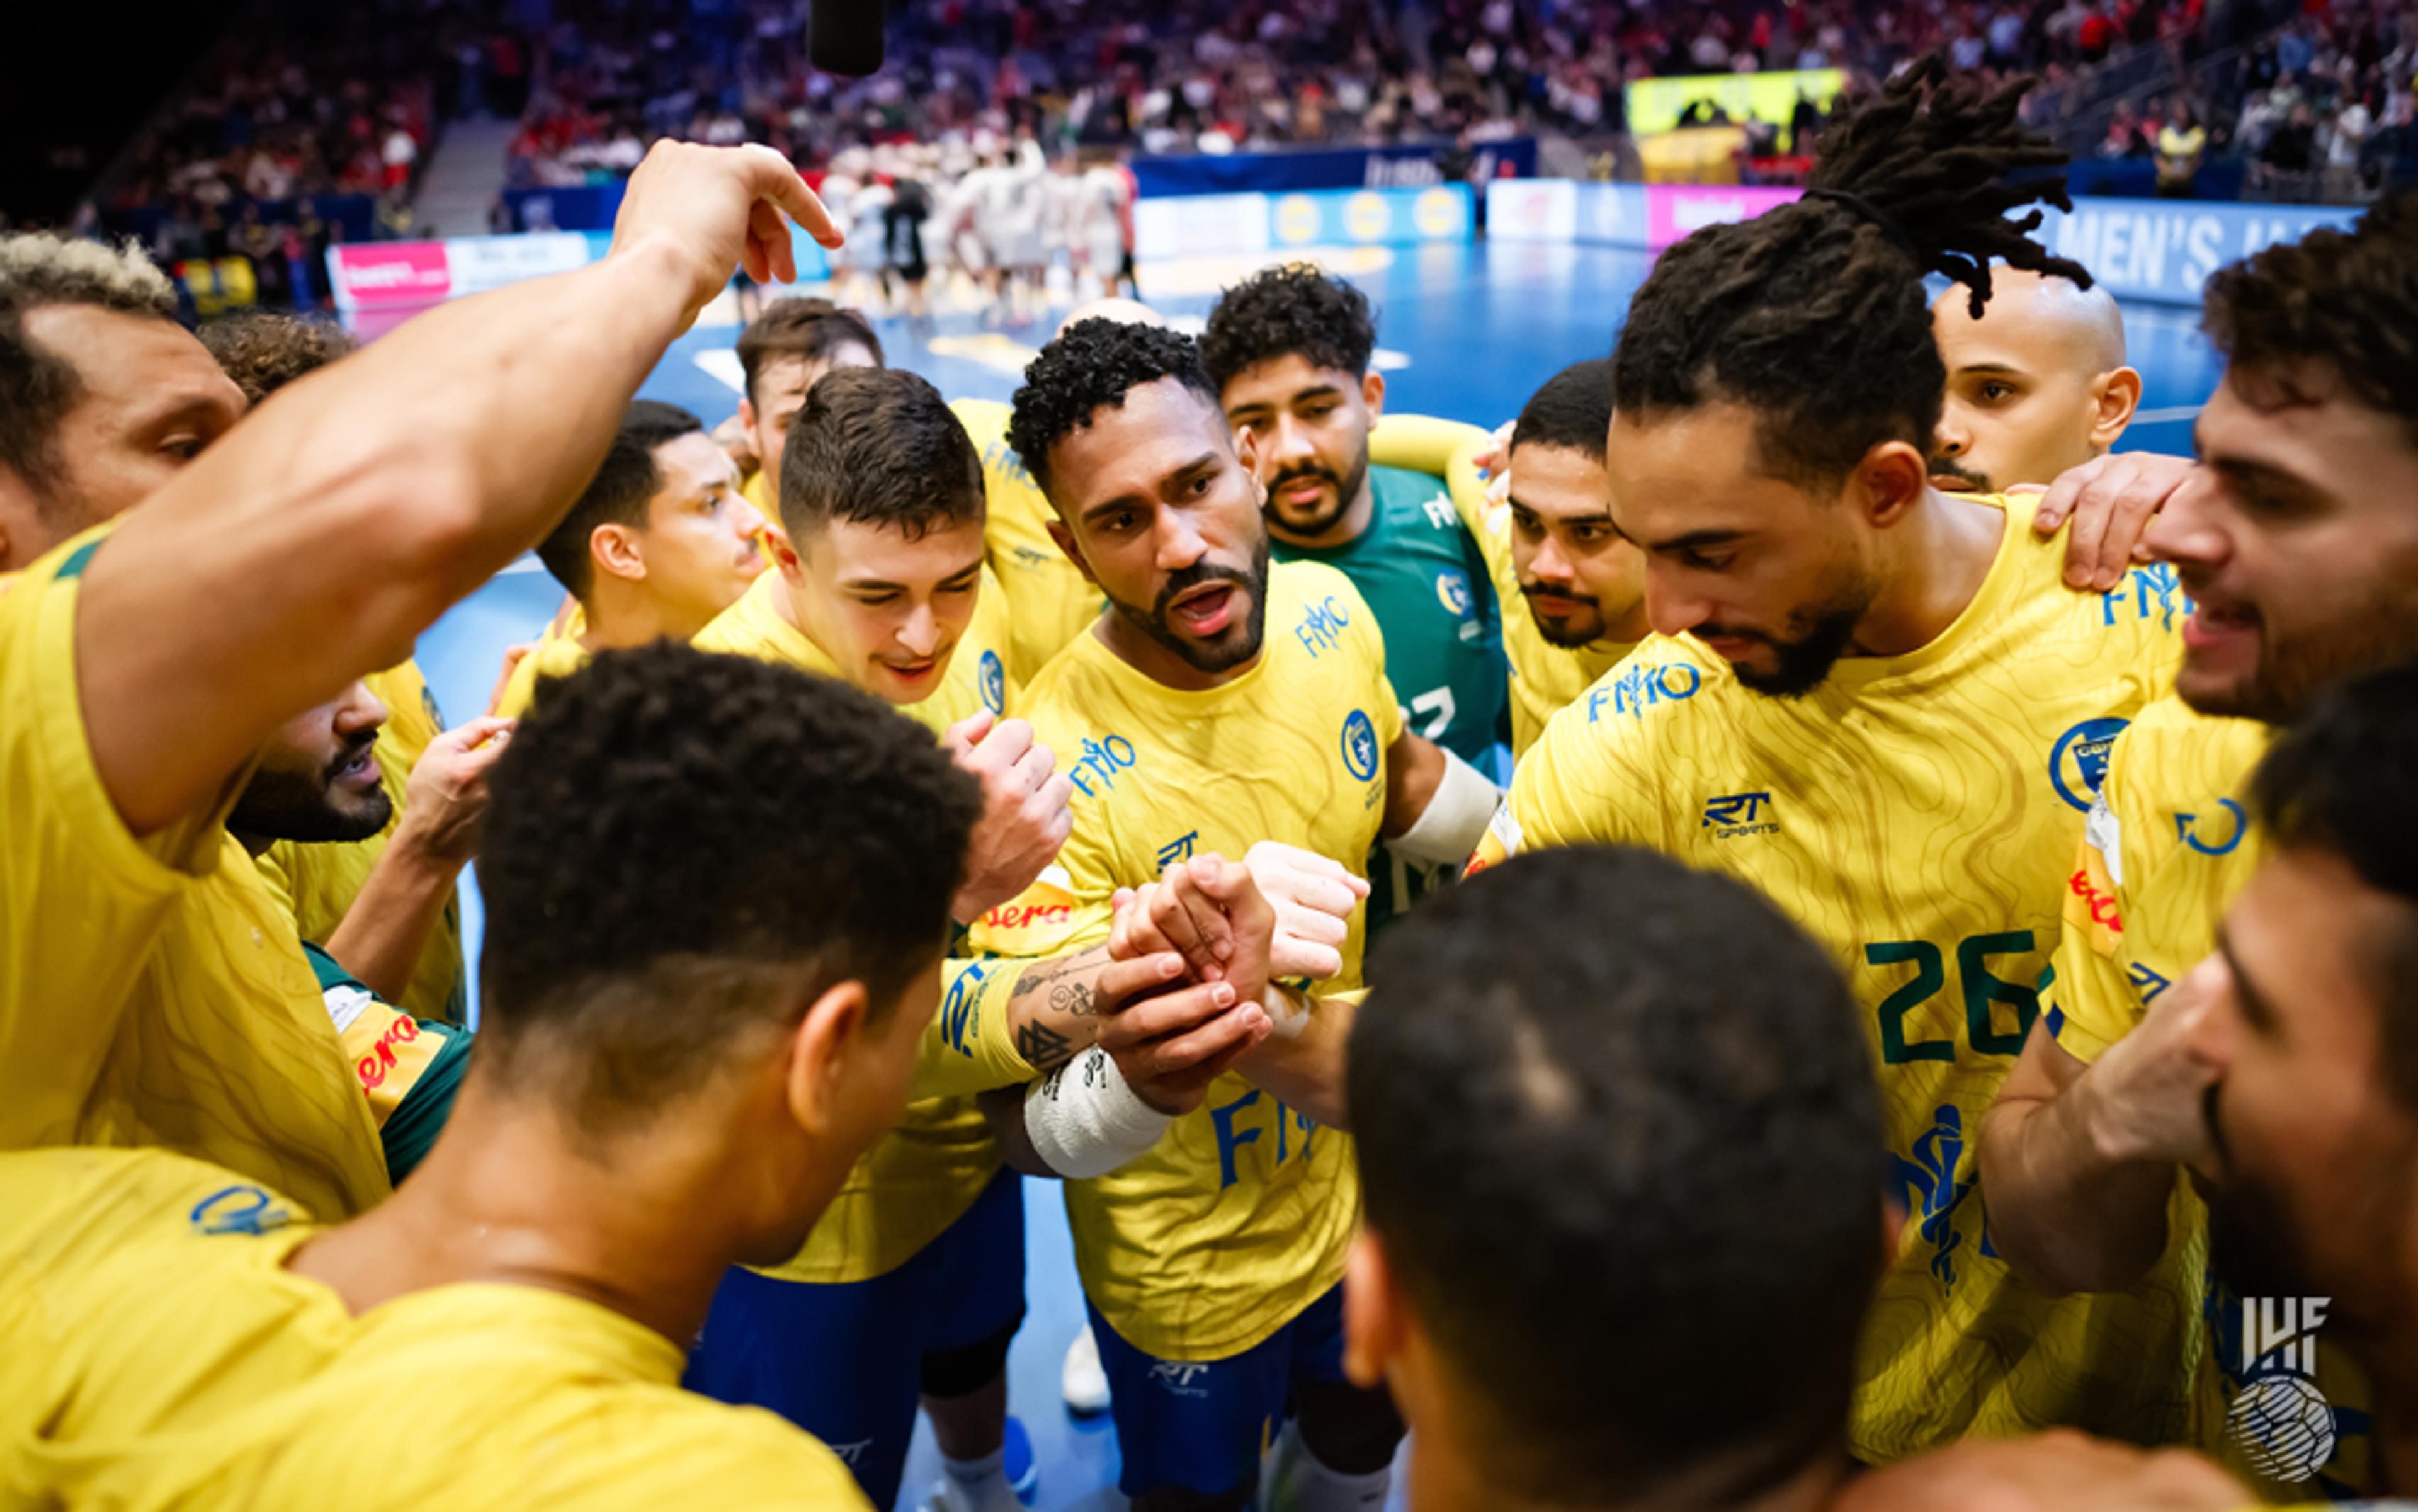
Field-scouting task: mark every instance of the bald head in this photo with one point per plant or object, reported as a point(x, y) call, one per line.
point(2037, 385)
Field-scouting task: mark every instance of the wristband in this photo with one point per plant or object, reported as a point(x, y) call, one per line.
point(1449, 827)
point(1085, 1122)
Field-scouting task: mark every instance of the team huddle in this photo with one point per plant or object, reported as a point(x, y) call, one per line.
point(1466, 916)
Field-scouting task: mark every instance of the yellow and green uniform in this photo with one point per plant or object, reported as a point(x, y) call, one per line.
point(926, 1173)
point(162, 1356)
point(1050, 600)
point(317, 883)
point(2168, 846)
point(152, 990)
point(409, 1068)
point(1917, 815)
point(1239, 1218)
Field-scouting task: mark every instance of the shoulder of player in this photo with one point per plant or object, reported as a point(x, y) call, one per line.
point(1298, 587)
point(103, 1194)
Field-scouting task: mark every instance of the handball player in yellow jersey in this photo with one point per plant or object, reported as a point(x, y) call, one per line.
point(782, 352)
point(2297, 539)
point(1879, 703)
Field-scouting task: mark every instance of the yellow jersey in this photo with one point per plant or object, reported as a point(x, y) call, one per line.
point(162, 1356)
point(317, 883)
point(1238, 1219)
point(2168, 846)
point(1050, 601)
point(1545, 678)
point(152, 991)
point(922, 1175)
point(555, 656)
point(1917, 815)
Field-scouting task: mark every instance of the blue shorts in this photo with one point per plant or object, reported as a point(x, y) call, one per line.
point(844, 1361)
point(1204, 1427)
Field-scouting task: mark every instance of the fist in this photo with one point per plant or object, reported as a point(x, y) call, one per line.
point(1025, 817)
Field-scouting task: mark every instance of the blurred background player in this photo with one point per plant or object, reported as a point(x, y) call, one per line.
point(2297, 544)
point(1866, 665)
point(1105, 237)
point(1289, 349)
point(2037, 381)
point(659, 543)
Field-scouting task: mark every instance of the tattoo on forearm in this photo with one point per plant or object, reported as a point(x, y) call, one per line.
point(1075, 999)
point(1056, 970)
point(1042, 1047)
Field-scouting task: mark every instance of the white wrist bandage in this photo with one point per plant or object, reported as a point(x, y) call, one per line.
point(1454, 820)
point(1084, 1121)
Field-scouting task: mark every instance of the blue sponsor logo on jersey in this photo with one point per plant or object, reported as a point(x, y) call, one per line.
point(1734, 815)
point(2213, 834)
point(1003, 457)
point(1322, 625)
point(1633, 690)
point(1360, 745)
point(2149, 591)
point(1096, 766)
point(990, 674)
point(1293, 1132)
point(1932, 1192)
point(239, 1210)
point(961, 1011)
point(1179, 849)
point(2146, 983)
point(2079, 761)
point(1452, 591)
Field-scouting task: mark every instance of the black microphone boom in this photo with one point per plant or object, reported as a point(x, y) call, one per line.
point(845, 36)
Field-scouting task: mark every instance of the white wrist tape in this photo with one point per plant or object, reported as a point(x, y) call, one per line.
point(1084, 1121)
point(1288, 1011)
point(1454, 820)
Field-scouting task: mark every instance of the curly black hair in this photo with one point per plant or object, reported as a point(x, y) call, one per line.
point(674, 839)
point(1680, 1125)
point(1091, 365)
point(264, 350)
point(2335, 307)
point(1813, 315)
point(617, 493)
point(1573, 410)
point(879, 444)
point(1281, 312)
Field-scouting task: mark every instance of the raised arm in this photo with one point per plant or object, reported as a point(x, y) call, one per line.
point(325, 532)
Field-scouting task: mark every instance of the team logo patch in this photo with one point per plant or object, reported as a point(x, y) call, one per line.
point(239, 1210)
point(2213, 834)
point(1360, 746)
point(2079, 761)
point(992, 676)
point(1452, 591)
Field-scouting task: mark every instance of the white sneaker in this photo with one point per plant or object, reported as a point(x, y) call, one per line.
point(950, 1494)
point(1083, 1384)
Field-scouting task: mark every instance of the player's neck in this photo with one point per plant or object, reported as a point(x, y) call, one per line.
point(509, 1194)
point(621, 616)
point(1444, 1479)
point(1944, 554)
point(1348, 527)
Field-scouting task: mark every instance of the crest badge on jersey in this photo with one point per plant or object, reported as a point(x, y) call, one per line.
point(1452, 591)
point(992, 676)
point(2079, 761)
point(1360, 746)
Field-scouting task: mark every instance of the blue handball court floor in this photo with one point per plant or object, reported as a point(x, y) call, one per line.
point(1464, 331)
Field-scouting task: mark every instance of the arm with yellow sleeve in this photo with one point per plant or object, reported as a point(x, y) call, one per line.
point(2081, 1149)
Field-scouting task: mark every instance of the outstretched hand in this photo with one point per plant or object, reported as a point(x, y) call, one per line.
point(717, 208)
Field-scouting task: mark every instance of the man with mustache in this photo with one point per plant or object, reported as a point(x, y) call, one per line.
point(2037, 382)
point(2296, 544)
point(1881, 704)
point(1215, 704)
point(1289, 350)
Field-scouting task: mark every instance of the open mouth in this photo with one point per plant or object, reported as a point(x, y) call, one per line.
point(2214, 624)
point(913, 671)
point(1203, 611)
point(360, 773)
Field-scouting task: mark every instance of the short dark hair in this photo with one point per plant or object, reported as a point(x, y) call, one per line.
point(674, 835)
point(1292, 309)
point(1572, 410)
point(38, 386)
point(617, 495)
point(1813, 315)
point(2339, 782)
point(2335, 307)
point(801, 327)
point(1090, 366)
point(264, 350)
point(1631, 1178)
point(882, 447)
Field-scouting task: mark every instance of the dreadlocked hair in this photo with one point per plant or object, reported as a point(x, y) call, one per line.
point(1813, 315)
